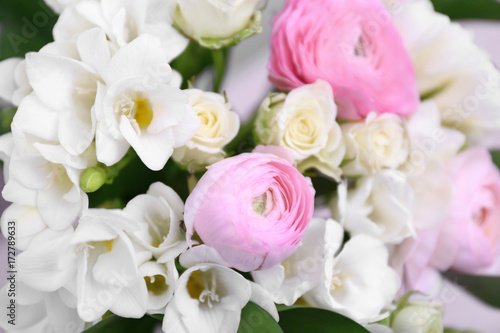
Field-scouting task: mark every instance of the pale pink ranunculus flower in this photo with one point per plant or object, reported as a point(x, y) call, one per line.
point(250, 211)
point(468, 239)
point(354, 45)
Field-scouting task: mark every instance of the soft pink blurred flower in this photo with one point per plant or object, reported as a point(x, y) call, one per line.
point(353, 45)
point(250, 211)
point(468, 239)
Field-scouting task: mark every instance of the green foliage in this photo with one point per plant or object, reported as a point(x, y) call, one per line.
point(299, 319)
point(115, 324)
point(485, 288)
point(26, 25)
point(254, 319)
point(469, 9)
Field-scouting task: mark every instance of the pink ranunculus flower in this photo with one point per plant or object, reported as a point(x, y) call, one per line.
point(354, 45)
point(468, 239)
point(250, 211)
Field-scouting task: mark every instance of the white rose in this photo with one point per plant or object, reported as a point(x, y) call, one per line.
point(304, 122)
point(379, 142)
point(380, 206)
point(214, 23)
point(418, 317)
point(453, 71)
point(219, 126)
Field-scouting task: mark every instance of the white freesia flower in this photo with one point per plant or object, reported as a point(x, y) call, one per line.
point(210, 21)
point(219, 126)
point(302, 271)
point(158, 215)
point(28, 223)
point(304, 122)
point(419, 317)
point(209, 298)
point(160, 281)
point(123, 21)
point(59, 5)
point(37, 311)
point(44, 175)
point(453, 71)
point(380, 205)
point(108, 275)
point(14, 84)
point(359, 272)
point(140, 105)
point(378, 142)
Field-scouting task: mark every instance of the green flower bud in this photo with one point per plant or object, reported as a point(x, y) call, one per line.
point(92, 179)
point(418, 317)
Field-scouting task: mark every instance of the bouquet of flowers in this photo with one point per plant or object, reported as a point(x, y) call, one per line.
point(139, 199)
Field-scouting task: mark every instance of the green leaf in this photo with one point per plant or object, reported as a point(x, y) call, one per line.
point(469, 9)
point(26, 25)
point(449, 330)
point(115, 324)
point(495, 155)
point(192, 62)
point(485, 288)
point(299, 319)
point(255, 319)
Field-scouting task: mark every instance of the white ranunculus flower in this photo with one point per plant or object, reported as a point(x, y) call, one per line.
point(380, 205)
point(44, 175)
point(108, 275)
point(215, 23)
point(418, 317)
point(359, 272)
point(123, 21)
point(302, 271)
point(219, 126)
point(14, 84)
point(140, 105)
point(304, 122)
point(209, 298)
point(453, 71)
point(375, 143)
point(433, 145)
point(158, 215)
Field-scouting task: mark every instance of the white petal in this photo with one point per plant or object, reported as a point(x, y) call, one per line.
point(33, 117)
point(132, 301)
point(7, 83)
point(94, 50)
point(61, 317)
point(262, 298)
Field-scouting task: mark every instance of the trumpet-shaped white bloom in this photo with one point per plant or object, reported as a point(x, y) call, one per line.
point(158, 214)
point(108, 276)
point(302, 271)
point(140, 105)
point(380, 206)
point(123, 21)
point(44, 175)
point(209, 298)
point(160, 281)
point(356, 282)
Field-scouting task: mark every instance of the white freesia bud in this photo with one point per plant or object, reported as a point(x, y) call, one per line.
point(209, 298)
point(380, 206)
point(216, 23)
point(219, 126)
point(304, 122)
point(418, 317)
point(359, 272)
point(379, 142)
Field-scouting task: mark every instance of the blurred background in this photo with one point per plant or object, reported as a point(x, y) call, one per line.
point(246, 86)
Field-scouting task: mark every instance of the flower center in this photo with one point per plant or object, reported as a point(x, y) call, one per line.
point(264, 203)
point(203, 287)
point(137, 109)
point(337, 282)
point(156, 284)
